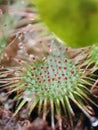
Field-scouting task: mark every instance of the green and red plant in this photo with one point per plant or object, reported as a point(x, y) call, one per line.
point(52, 83)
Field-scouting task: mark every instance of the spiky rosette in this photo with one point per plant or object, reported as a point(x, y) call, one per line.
point(51, 82)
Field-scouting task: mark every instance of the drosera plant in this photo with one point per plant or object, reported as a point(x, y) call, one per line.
point(50, 83)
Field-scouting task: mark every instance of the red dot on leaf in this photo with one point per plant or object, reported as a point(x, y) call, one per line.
point(46, 89)
point(49, 45)
point(65, 61)
point(34, 68)
point(65, 68)
point(49, 80)
point(59, 78)
point(53, 70)
point(66, 49)
point(48, 73)
point(10, 57)
point(26, 84)
point(33, 58)
point(33, 75)
point(19, 60)
point(60, 67)
point(59, 56)
point(55, 75)
point(66, 78)
point(53, 79)
point(63, 75)
point(40, 73)
point(58, 81)
point(47, 67)
point(72, 72)
point(43, 60)
point(39, 82)
point(38, 78)
point(50, 60)
point(59, 62)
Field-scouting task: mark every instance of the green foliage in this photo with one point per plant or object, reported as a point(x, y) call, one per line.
point(1, 1)
point(75, 22)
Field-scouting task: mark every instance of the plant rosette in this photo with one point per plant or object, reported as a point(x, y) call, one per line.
point(50, 83)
